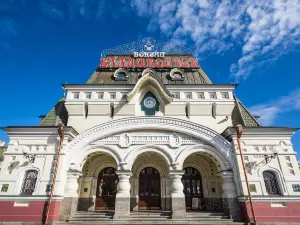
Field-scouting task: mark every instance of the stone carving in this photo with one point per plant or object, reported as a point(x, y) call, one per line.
point(216, 137)
point(174, 140)
point(124, 140)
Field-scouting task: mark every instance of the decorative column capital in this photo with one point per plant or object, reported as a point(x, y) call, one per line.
point(176, 173)
point(226, 174)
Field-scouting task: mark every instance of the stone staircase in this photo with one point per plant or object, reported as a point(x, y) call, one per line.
point(150, 217)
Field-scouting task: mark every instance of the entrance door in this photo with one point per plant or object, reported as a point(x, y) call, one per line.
point(106, 189)
point(149, 189)
point(192, 189)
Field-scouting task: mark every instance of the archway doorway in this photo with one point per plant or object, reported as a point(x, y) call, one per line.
point(149, 189)
point(106, 189)
point(193, 190)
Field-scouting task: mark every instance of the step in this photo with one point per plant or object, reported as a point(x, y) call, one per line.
point(119, 222)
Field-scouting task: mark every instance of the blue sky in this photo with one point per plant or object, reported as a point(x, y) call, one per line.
point(44, 43)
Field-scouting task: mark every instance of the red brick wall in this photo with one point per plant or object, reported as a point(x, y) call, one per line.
point(31, 213)
point(265, 213)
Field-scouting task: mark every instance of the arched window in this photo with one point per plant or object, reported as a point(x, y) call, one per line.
point(176, 74)
point(29, 182)
point(271, 183)
point(121, 74)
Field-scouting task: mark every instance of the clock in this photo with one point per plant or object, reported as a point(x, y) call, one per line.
point(149, 102)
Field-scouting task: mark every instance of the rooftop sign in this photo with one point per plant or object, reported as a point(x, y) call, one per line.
point(149, 62)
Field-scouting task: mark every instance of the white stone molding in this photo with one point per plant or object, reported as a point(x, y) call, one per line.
point(78, 148)
point(150, 82)
point(71, 186)
point(125, 140)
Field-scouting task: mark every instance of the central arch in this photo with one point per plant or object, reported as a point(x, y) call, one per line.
point(76, 149)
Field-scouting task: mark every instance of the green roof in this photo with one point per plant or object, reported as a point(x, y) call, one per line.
point(58, 114)
point(242, 116)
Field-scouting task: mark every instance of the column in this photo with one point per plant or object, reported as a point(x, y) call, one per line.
point(177, 195)
point(231, 204)
point(122, 205)
point(69, 204)
point(93, 192)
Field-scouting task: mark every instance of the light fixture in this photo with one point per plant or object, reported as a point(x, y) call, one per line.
point(268, 158)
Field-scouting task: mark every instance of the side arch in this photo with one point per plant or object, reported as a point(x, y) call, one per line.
point(226, 163)
point(80, 157)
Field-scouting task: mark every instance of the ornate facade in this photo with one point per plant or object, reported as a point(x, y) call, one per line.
point(141, 138)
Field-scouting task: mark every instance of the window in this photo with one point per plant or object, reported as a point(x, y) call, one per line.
point(296, 187)
point(225, 95)
point(112, 95)
point(176, 95)
point(123, 96)
point(213, 95)
point(121, 74)
point(112, 110)
point(271, 183)
point(176, 74)
point(200, 95)
point(4, 187)
point(88, 95)
point(187, 110)
point(287, 158)
point(76, 95)
point(188, 95)
point(100, 95)
point(29, 182)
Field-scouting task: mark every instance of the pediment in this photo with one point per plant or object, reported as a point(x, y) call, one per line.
point(171, 139)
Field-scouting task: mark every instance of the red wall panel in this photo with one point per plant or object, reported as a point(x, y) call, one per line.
point(265, 213)
point(31, 213)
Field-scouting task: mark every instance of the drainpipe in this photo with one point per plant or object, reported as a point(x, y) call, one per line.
point(60, 129)
point(239, 132)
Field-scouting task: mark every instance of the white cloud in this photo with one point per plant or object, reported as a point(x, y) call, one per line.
point(264, 29)
point(268, 112)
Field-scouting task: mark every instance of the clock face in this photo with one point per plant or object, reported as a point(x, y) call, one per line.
point(149, 102)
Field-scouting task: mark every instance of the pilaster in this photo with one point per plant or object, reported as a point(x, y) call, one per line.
point(69, 204)
point(231, 204)
point(122, 205)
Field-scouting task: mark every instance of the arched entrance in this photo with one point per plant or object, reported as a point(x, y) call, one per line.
point(193, 190)
point(149, 189)
point(106, 188)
